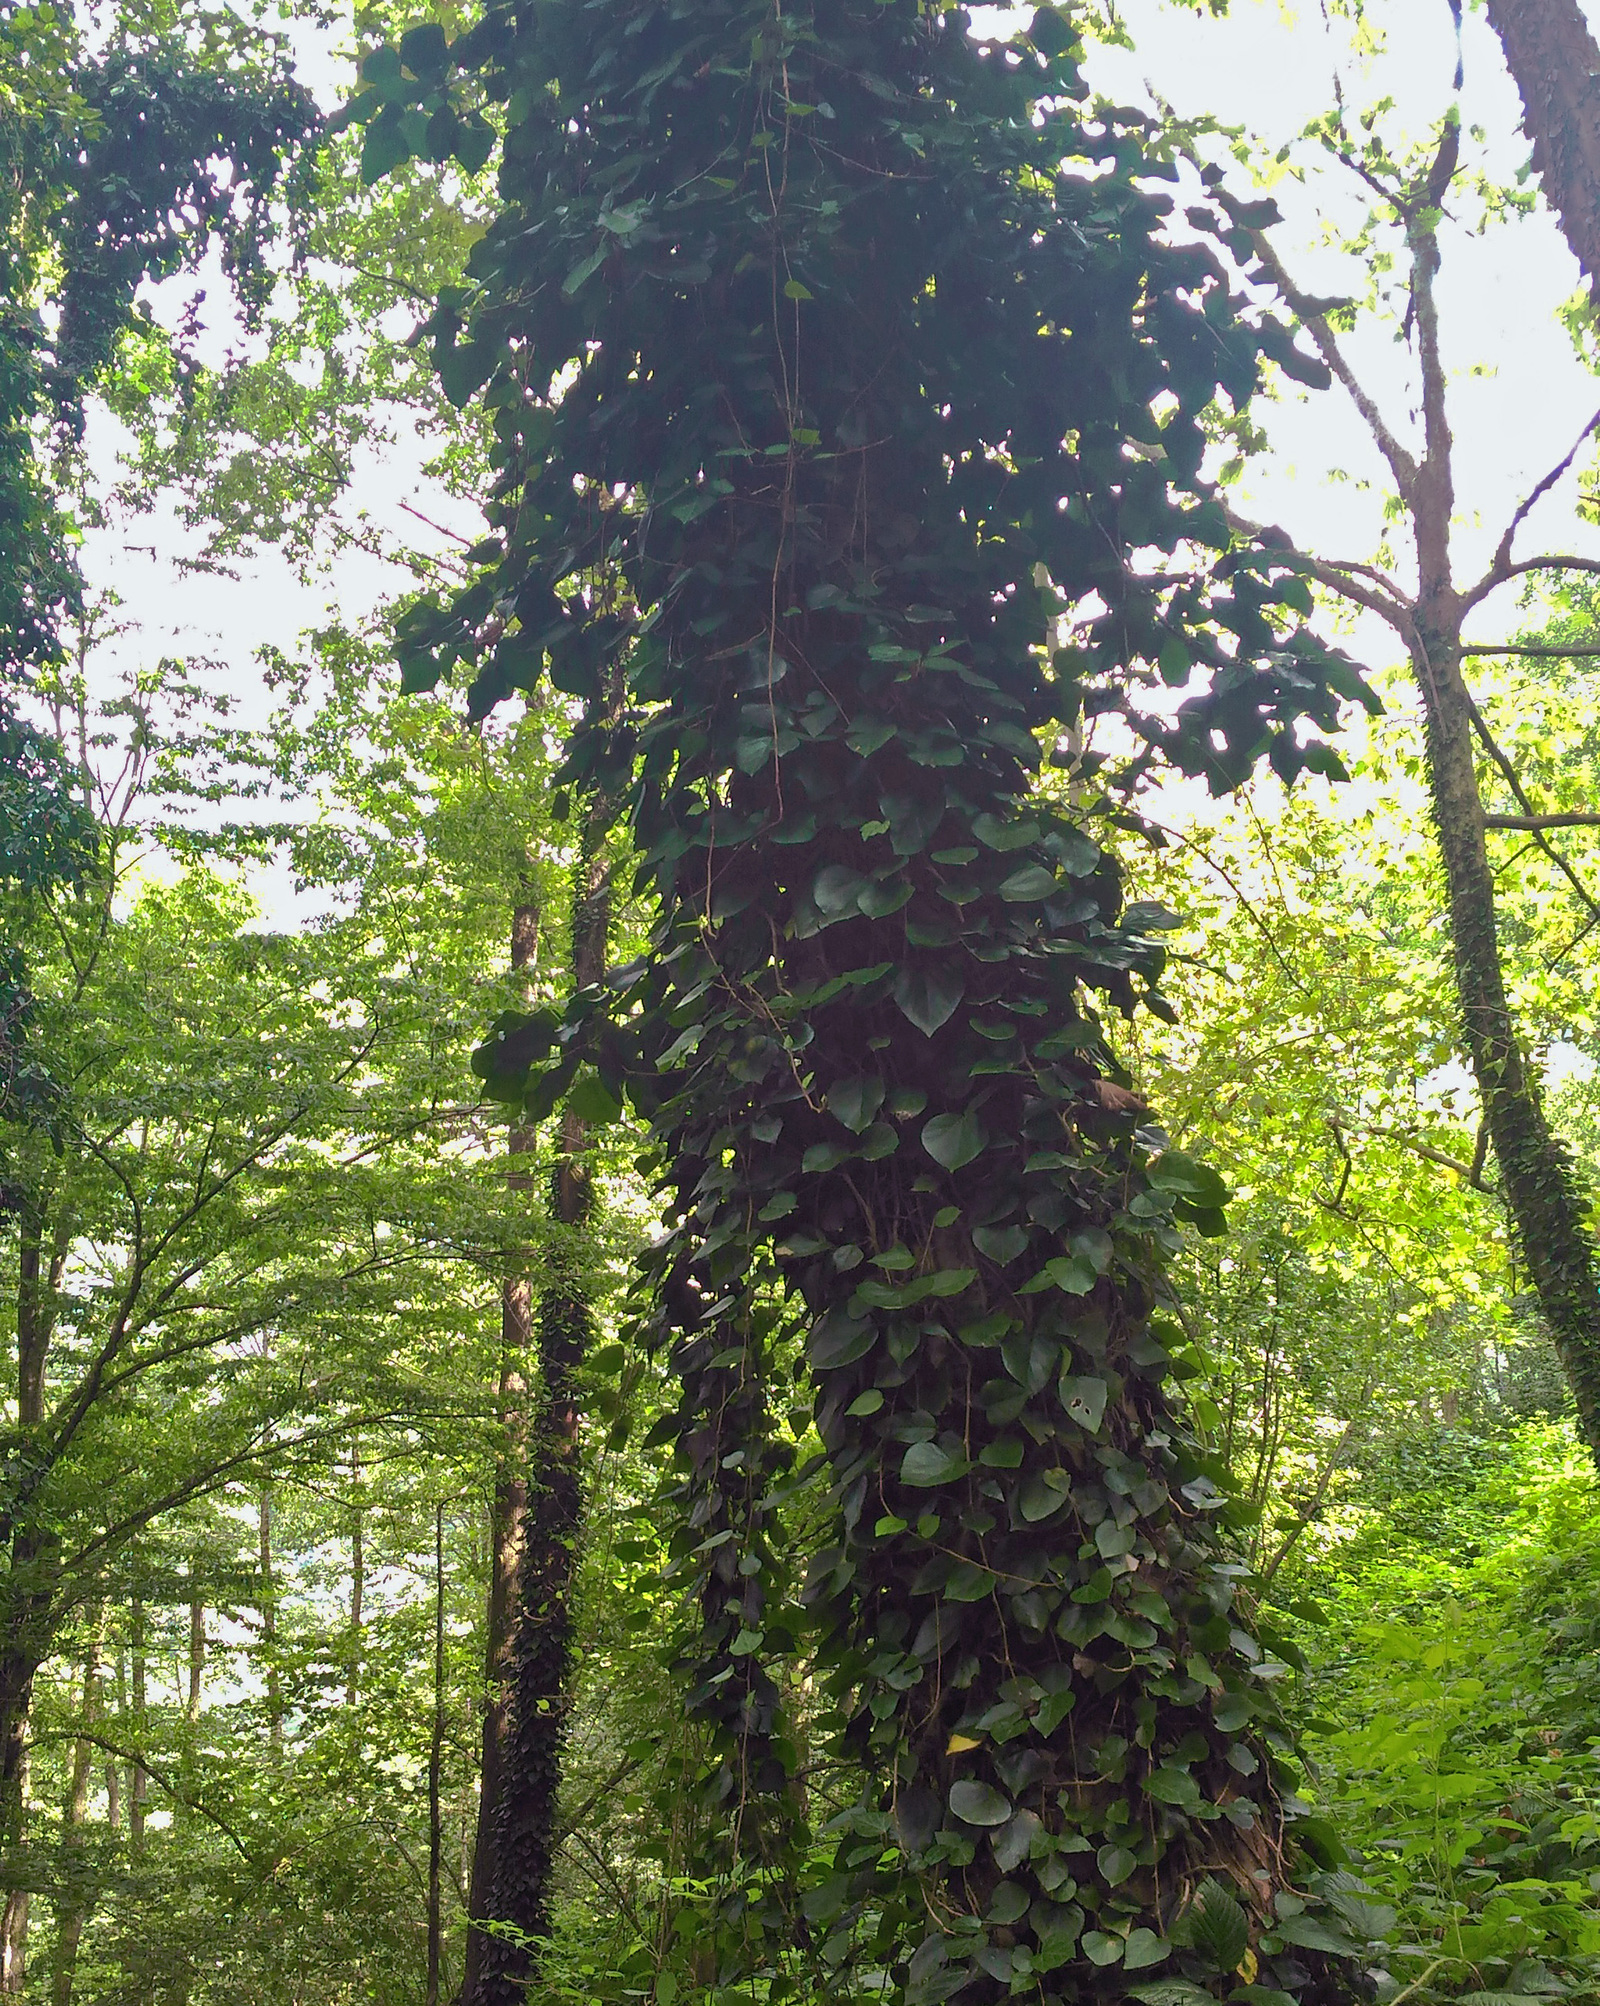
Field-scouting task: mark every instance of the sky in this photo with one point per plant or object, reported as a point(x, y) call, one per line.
point(1520, 395)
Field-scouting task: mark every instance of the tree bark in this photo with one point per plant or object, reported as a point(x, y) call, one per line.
point(435, 1760)
point(1552, 55)
point(507, 1525)
point(525, 1834)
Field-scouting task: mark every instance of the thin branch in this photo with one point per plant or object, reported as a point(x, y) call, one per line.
point(1575, 820)
point(1313, 317)
point(1528, 648)
point(78, 1732)
point(1502, 555)
point(1487, 584)
point(1519, 792)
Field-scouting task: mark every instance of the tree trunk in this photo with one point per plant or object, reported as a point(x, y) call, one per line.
point(76, 1898)
point(541, 1648)
point(139, 1785)
point(26, 1600)
point(197, 1660)
point(358, 1578)
point(435, 1760)
point(14, 1918)
point(1535, 1171)
point(1552, 55)
point(269, 1620)
point(507, 1526)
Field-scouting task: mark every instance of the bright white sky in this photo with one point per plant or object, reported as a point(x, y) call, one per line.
point(1520, 395)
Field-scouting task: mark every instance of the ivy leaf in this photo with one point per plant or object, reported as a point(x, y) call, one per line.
point(928, 996)
point(1032, 882)
point(1173, 1786)
point(837, 890)
point(1144, 1948)
point(1115, 1864)
point(977, 1803)
point(954, 1139)
point(1084, 1398)
point(1012, 1844)
point(927, 1465)
point(855, 1102)
point(1097, 1946)
point(1001, 1243)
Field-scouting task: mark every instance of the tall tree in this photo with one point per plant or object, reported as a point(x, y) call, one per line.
point(839, 359)
point(1431, 612)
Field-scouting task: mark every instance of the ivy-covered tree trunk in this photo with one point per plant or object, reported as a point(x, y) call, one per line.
point(540, 1645)
point(849, 394)
point(1547, 1210)
point(507, 1530)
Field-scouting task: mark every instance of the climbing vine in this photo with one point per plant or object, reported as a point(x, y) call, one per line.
point(850, 387)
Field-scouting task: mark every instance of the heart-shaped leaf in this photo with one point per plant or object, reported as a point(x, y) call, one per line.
point(855, 1102)
point(926, 1464)
point(954, 1139)
point(928, 996)
point(976, 1803)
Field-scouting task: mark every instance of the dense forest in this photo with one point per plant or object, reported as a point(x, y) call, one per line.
point(799, 1077)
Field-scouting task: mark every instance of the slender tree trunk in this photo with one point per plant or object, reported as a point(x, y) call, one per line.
point(77, 1897)
point(139, 1784)
point(14, 1919)
point(269, 1619)
point(542, 1643)
point(25, 1601)
point(507, 1524)
point(1552, 55)
point(435, 1760)
point(197, 1660)
point(358, 1578)
point(1535, 1170)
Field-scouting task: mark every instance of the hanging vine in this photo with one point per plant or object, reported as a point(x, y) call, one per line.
point(892, 375)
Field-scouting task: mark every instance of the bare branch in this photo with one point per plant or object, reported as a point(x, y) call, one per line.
point(1488, 584)
point(1313, 318)
point(1502, 555)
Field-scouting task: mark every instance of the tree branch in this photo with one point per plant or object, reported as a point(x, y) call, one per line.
point(1492, 580)
point(1576, 820)
point(1313, 318)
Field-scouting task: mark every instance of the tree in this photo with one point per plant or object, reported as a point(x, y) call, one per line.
point(750, 317)
point(1430, 614)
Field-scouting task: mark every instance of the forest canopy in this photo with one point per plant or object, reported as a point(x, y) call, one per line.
point(798, 1102)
